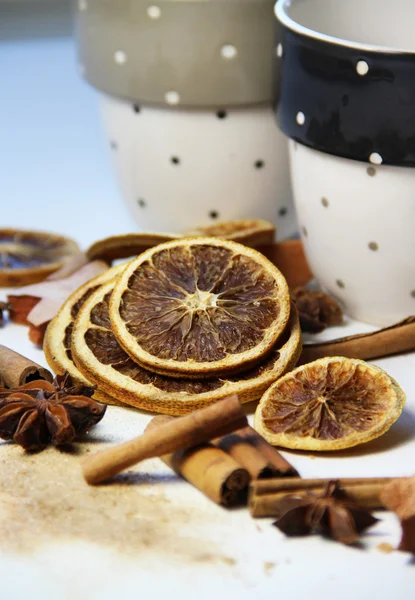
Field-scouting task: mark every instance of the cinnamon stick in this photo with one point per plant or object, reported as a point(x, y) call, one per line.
point(255, 454)
point(191, 430)
point(16, 370)
point(209, 469)
point(385, 342)
point(265, 497)
point(289, 257)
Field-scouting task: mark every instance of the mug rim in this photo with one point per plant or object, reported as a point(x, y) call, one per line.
point(284, 18)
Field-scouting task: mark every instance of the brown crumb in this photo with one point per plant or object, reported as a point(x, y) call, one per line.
point(269, 567)
point(385, 548)
point(214, 558)
point(316, 310)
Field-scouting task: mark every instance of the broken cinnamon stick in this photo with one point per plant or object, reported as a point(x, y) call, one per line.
point(255, 454)
point(209, 469)
point(385, 342)
point(191, 430)
point(264, 499)
point(16, 370)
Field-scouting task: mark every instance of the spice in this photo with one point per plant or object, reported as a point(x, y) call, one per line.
point(265, 496)
point(316, 310)
point(191, 430)
point(255, 454)
point(290, 259)
point(326, 514)
point(16, 370)
point(385, 342)
point(38, 413)
point(399, 496)
point(209, 469)
point(37, 304)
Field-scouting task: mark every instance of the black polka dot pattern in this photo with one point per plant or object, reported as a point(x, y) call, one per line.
point(141, 203)
point(175, 160)
point(282, 211)
point(136, 108)
point(259, 164)
point(214, 214)
point(221, 114)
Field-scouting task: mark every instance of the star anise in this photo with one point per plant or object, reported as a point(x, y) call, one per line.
point(328, 514)
point(41, 413)
point(316, 310)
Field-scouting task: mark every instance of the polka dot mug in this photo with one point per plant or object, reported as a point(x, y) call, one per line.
point(347, 103)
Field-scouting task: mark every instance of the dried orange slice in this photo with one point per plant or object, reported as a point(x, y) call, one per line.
point(58, 336)
point(126, 245)
point(251, 232)
point(30, 256)
point(101, 359)
point(330, 404)
point(199, 307)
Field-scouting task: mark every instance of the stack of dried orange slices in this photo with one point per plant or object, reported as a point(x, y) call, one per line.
point(181, 326)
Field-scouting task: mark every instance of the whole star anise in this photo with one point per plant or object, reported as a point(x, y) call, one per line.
point(316, 310)
point(329, 514)
point(41, 413)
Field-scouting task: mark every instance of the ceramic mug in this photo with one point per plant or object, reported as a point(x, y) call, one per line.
point(347, 103)
point(179, 169)
point(187, 102)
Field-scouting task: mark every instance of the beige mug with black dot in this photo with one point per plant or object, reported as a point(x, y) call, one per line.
point(186, 98)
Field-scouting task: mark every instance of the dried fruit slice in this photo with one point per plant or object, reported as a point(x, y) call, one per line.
point(58, 336)
point(199, 307)
point(126, 245)
point(101, 359)
point(251, 232)
point(330, 404)
point(30, 256)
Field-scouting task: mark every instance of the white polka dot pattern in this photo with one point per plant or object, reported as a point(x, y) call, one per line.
point(228, 51)
point(172, 98)
point(300, 118)
point(120, 57)
point(362, 68)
